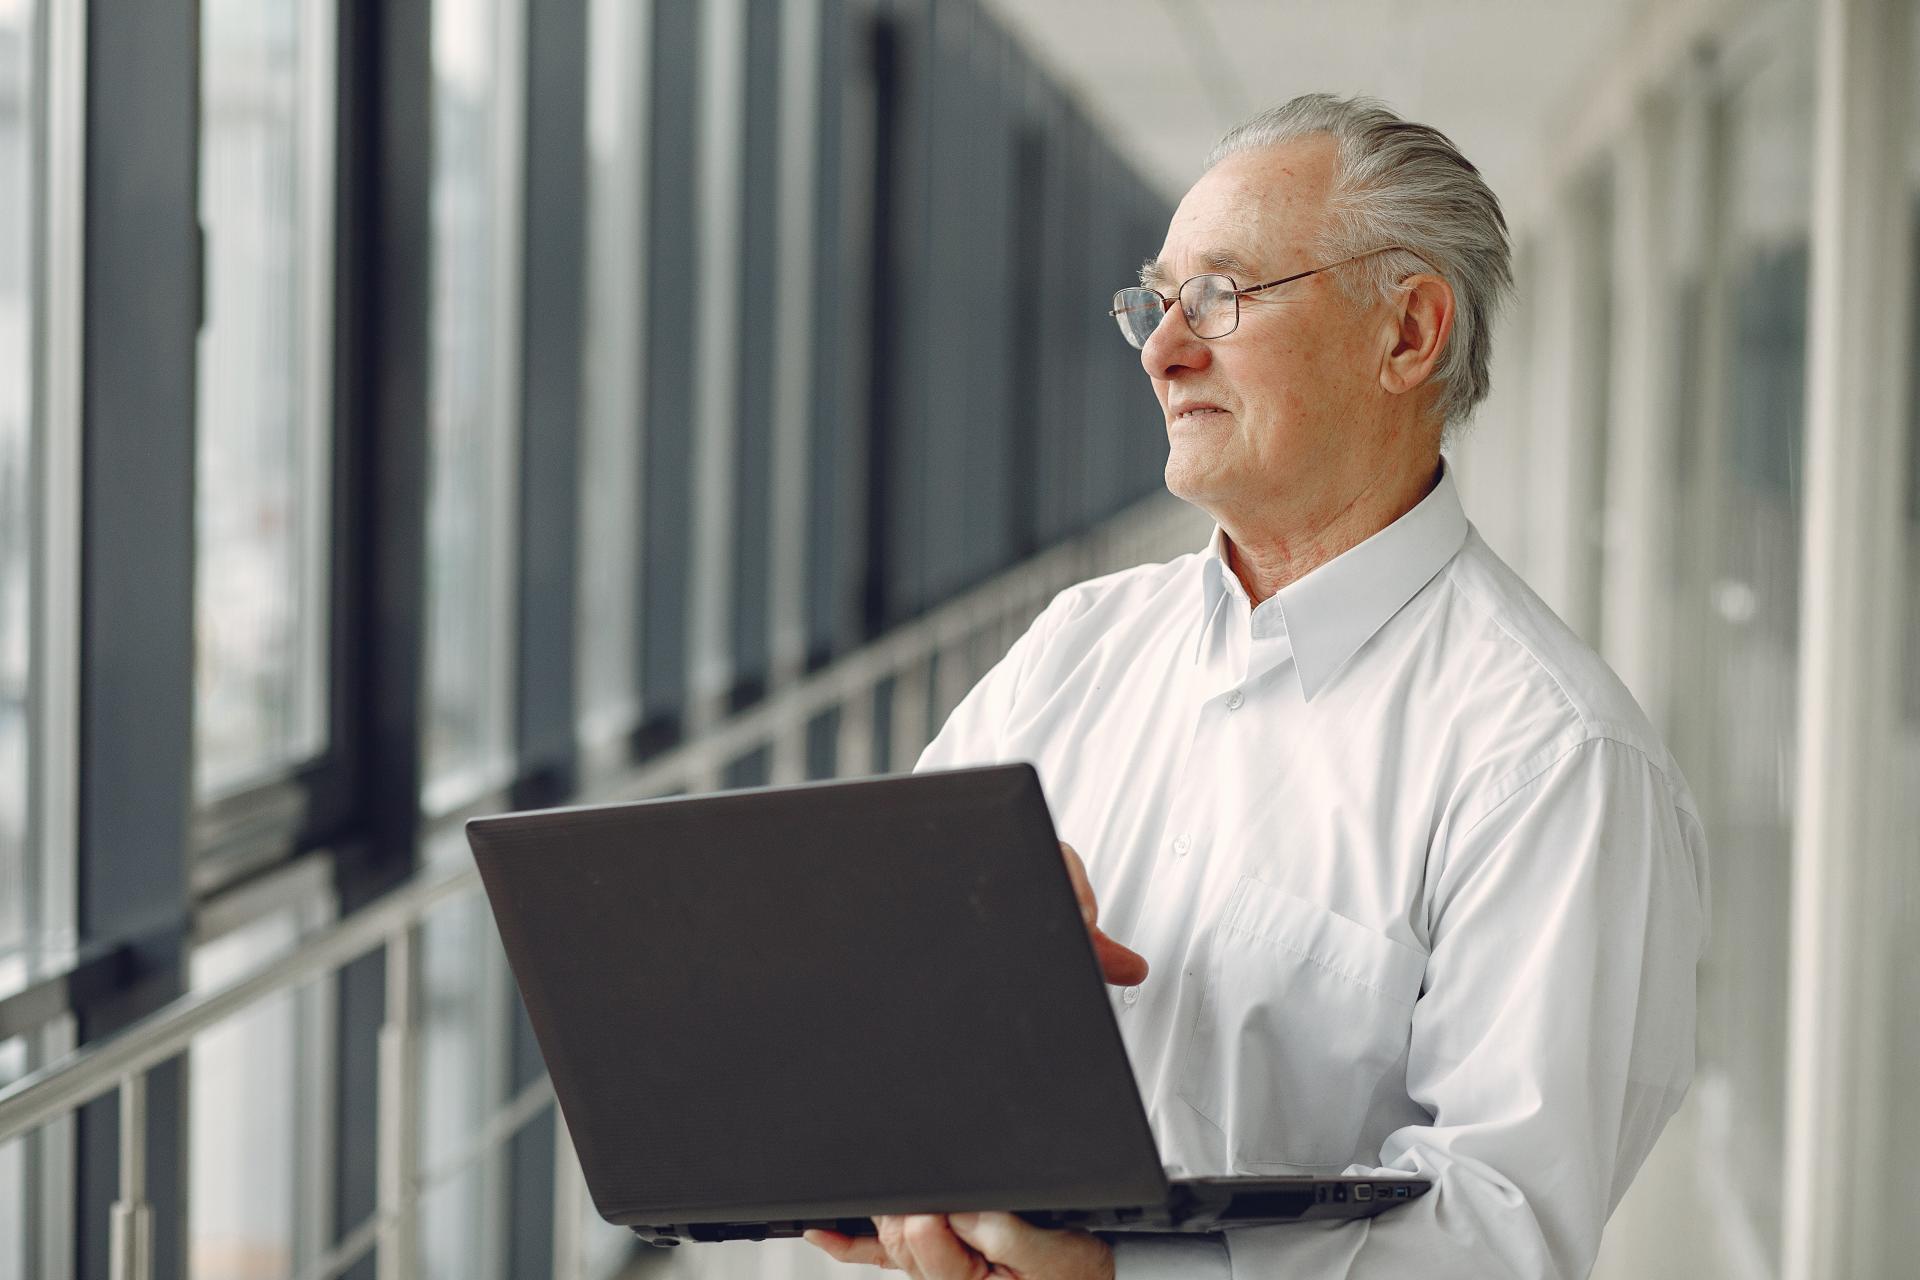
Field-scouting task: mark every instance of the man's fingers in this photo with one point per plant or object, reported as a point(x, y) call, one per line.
point(1119, 965)
point(860, 1249)
point(937, 1253)
point(1024, 1249)
point(1082, 887)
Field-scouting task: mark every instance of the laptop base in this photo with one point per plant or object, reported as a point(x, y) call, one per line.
point(1194, 1205)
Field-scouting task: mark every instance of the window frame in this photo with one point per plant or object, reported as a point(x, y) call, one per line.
point(305, 804)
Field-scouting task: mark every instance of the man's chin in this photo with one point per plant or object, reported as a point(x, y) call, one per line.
point(1187, 483)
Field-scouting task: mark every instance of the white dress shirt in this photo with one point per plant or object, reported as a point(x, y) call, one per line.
point(1421, 891)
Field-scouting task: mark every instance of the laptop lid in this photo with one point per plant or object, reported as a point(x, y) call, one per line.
point(826, 1000)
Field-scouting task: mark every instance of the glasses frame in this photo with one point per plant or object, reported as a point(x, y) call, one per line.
point(1167, 304)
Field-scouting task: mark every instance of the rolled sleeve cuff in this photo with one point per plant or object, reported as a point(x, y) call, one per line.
point(1167, 1257)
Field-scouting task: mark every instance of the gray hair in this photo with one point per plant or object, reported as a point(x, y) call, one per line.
point(1401, 183)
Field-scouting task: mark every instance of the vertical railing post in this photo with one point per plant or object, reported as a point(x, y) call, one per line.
point(955, 674)
point(789, 763)
point(569, 1204)
point(853, 754)
point(909, 716)
point(399, 1108)
point(132, 1249)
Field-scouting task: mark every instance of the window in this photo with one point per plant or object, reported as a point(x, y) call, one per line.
point(465, 998)
point(473, 398)
point(263, 456)
point(18, 131)
point(15, 1180)
point(257, 1206)
point(1740, 503)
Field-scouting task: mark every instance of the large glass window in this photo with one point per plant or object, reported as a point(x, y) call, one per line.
point(473, 397)
point(15, 1179)
point(1740, 514)
point(257, 1196)
point(18, 130)
point(464, 1002)
point(610, 488)
point(264, 378)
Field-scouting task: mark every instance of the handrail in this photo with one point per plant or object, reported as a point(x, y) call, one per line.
point(71, 1082)
point(120, 1061)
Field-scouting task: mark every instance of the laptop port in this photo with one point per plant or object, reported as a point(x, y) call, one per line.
point(1320, 1194)
point(1339, 1193)
point(1363, 1192)
point(1399, 1193)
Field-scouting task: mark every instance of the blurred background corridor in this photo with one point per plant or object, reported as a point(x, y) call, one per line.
point(413, 409)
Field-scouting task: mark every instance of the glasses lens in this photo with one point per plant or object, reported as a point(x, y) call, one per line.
point(1211, 306)
point(1138, 310)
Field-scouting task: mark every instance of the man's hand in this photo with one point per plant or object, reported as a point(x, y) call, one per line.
point(972, 1246)
point(1121, 967)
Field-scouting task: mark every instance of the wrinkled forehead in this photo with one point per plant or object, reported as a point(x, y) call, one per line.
point(1255, 212)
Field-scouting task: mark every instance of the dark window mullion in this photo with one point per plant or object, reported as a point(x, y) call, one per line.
point(668, 332)
point(382, 354)
point(553, 283)
point(552, 332)
point(141, 317)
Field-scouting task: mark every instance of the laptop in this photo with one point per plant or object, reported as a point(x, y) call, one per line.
point(791, 1007)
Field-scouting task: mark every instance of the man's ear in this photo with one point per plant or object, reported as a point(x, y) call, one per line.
point(1422, 320)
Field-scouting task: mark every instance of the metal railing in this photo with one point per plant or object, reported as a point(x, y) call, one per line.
point(928, 664)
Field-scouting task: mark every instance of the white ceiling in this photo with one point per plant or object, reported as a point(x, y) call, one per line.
point(1164, 78)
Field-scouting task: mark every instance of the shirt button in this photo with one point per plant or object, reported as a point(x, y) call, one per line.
point(1182, 843)
point(1130, 995)
point(1234, 700)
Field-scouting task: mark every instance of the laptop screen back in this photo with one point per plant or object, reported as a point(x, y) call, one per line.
point(835, 999)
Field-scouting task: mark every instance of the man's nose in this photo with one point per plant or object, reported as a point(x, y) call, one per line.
point(1172, 346)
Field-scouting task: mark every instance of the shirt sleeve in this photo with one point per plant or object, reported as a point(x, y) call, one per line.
point(1144, 1257)
point(976, 731)
point(1552, 1040)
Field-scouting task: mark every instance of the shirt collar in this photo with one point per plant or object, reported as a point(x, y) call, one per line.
point(1335, 609)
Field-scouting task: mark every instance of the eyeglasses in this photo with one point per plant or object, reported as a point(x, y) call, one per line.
point(1210, 303)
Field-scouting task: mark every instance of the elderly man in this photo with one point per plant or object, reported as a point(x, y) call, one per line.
point(1417, 888)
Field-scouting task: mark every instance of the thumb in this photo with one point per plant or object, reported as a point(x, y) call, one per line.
point(1120, 964)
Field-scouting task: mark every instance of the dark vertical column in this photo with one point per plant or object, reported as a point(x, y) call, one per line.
point(385, 167)
point(1099, 248)
point(753, 443)
point(1024, 340)
point(900, 423)
point(529, 1163)
point(667, 458)
point(1149, 451)
point(1063, 348)
point(952, 205)
point(887, 368)
point(991, 301)
point(839, 336)
point(141, 315)
point(1108, 427)
point(553, 284)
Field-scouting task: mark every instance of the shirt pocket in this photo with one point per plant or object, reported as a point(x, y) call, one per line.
point(1302, 1014)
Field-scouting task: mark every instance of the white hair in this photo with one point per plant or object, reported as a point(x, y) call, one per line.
point(1401, 183)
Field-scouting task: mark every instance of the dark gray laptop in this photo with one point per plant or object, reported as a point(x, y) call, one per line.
point(797, 1007)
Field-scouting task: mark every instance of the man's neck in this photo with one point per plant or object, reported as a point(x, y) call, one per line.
point(1265, 559)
